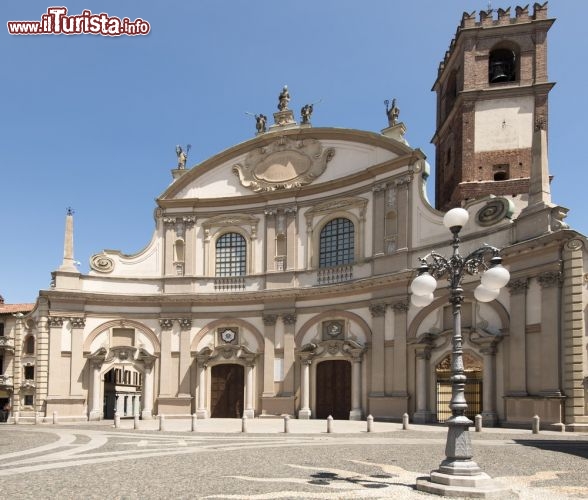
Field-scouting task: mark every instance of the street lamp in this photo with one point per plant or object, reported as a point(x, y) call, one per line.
point(458, 472)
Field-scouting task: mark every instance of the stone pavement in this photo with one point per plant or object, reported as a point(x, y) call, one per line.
point(95, 460)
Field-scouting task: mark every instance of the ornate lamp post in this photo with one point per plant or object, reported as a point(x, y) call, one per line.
point(458, 472)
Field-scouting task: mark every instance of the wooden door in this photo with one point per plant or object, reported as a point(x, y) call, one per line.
point(333, 389)
point(227, 387)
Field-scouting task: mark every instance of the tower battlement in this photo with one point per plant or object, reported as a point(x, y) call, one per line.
point(487, 19)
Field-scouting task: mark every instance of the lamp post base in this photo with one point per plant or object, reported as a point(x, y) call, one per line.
point(476, 486)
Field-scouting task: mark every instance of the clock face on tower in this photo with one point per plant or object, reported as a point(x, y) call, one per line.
point(228, 335)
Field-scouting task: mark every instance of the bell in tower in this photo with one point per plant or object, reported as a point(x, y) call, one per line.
point(501, 67)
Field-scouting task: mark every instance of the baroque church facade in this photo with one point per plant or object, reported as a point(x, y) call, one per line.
point(277, 280)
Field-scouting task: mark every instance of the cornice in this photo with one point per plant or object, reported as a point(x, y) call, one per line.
point(352, 180)
point(245, 297)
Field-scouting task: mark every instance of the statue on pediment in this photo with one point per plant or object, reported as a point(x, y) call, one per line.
point(306, 112)
point(392, 112)
point(283, 99)
point(182, 156)
point(261, 122)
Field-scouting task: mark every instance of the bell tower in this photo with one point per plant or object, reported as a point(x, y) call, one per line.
point(492, 88)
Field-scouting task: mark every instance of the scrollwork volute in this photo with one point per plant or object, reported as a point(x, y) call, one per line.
point(101, 263)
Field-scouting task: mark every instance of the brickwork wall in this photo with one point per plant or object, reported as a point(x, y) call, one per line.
point(474, 190)
point(481, 169)
point(468, 59)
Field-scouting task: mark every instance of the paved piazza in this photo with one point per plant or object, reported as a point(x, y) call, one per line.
point(219, 462)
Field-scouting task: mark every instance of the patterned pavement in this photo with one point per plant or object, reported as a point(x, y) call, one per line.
point(219, 462)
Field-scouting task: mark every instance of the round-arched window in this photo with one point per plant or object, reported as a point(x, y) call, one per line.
point(337, 246)
point(231, 255)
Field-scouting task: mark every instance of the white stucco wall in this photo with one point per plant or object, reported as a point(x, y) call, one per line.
point(504, 124)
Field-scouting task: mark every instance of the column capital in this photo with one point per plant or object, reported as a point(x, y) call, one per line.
point(77, 322)
point(550, 279)
point(401, 306)
point(289, 318)
point(166, 323)
point(378, 309)
point(55, 321)
point(185, 323)
point(519, 286)
point(269, 319)
point(403, 182)
point(423, 352)
point(489, 350)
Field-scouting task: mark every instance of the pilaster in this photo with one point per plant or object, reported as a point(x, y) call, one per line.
point(517, 366)
point(42, 356)
point(550, 283)
point(269, 321)
point(185, 358)
point(165, 357)
point(289, 320)
point(399, 385)
point(379, 214)
point(573, 335)
point(77, 358)
point(378, 312)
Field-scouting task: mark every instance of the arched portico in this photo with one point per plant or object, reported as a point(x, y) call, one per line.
point(103, 360)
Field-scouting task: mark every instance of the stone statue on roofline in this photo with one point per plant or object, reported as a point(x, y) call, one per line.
point(182, 156)
point(283, 99)
point(261, 123)
point(392, 112)
point(306, 112)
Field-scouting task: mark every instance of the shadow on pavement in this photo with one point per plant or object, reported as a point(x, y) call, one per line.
point(570, 446)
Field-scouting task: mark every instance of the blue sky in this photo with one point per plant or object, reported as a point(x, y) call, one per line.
point(92, 122)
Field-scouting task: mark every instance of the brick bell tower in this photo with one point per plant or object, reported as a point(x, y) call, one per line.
point(491, 89)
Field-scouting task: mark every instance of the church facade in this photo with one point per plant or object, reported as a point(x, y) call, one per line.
point(277, 278)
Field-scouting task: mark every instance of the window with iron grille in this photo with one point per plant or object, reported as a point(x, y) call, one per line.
point(336, 244)
point(231, 255)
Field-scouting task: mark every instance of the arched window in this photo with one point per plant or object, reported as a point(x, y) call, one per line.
point(502, 66)
point(336, 246)
point(29, 347)
point(231, 255)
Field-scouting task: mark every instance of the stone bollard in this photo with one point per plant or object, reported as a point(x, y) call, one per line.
point(405, 422)
point(286, 424)
point(478, 420)
point(194, 420)
point(536, 424)
point(54, 417)
point(38, 418)
point(16, 417)
point(116, 420)
point(329, 424)
point(136, 421)
point(244, 423)
point(370, 423)
point(162, 422)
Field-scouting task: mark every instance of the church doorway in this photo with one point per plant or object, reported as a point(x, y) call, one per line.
point(333, 389)
point(473, 388)
point(226, 391)
point(122, 391)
